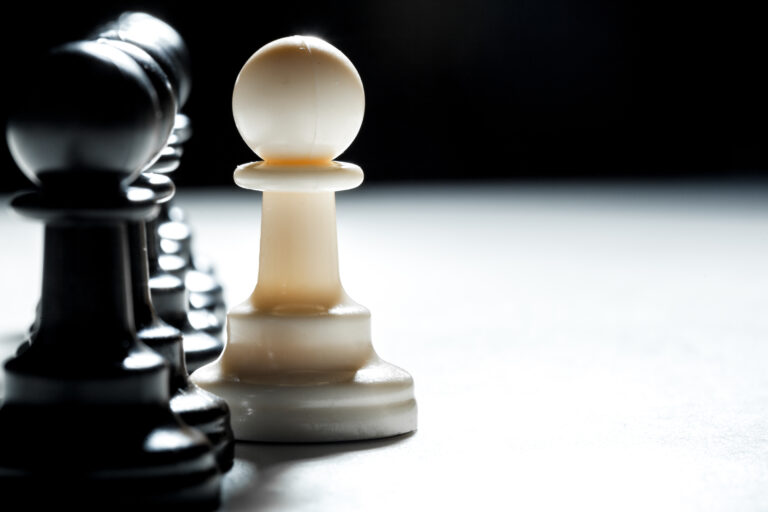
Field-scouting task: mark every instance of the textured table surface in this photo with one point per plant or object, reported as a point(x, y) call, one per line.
point(573, 347)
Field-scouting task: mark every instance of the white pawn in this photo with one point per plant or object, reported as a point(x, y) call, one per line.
point(299, 363)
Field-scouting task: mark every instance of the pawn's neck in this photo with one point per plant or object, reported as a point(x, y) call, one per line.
point(298, 262)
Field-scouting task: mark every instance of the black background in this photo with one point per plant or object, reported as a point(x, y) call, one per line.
point(546, 89)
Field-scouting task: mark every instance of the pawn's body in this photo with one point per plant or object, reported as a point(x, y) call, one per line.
point(299, 364)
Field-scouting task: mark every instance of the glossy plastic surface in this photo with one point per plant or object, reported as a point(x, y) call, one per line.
point(90, 111)
point(298, 99)
point(299, 365)
point(160, 40)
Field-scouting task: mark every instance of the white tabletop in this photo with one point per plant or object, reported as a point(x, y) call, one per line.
point(573, 347)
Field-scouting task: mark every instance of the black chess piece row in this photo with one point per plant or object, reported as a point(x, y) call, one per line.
point(174, 235)
point(99, 410)
point(206, 297)
point(170, 241)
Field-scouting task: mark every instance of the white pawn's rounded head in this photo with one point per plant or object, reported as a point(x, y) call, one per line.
point(298, 100)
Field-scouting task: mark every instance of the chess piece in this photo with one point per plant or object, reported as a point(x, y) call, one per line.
point(176, 255)
point(299, 365)
point(167, 47)
point(171, 300)
point(86, 418)
point(196, 407)
point(159, 40)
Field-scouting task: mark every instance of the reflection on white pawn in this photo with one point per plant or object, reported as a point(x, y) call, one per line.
point(299, 365)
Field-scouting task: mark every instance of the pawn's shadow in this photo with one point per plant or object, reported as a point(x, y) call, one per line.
point(252, 484)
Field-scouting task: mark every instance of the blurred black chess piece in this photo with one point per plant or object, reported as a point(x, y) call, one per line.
point(206, 299)
point(196, 407)
point(171, 300)
point(86, 418)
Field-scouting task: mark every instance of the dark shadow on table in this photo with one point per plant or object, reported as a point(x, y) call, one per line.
point(248, 485)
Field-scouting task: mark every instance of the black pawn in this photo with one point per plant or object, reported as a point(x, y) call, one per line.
point(86, 418)
point(168, 48)
point(158, 39)
point(196, 407)
point(171, 300)
point(206, 308)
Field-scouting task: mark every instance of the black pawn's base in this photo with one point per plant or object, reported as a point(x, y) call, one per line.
point(206, 321)
point(196, 407)
point(113, 457)
point(205, 293)
point(210, 415)
point(209, 303)
point(170, 300)
point(200, 348)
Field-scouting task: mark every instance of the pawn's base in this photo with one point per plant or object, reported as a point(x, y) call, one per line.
point(209, 414)
point(124, 457)
point(376, 401)
point(200, 348)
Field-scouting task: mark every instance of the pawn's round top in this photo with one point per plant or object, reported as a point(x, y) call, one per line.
point(89, 115)
point(160, 40)
point(165, 96)
point(298, 100)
